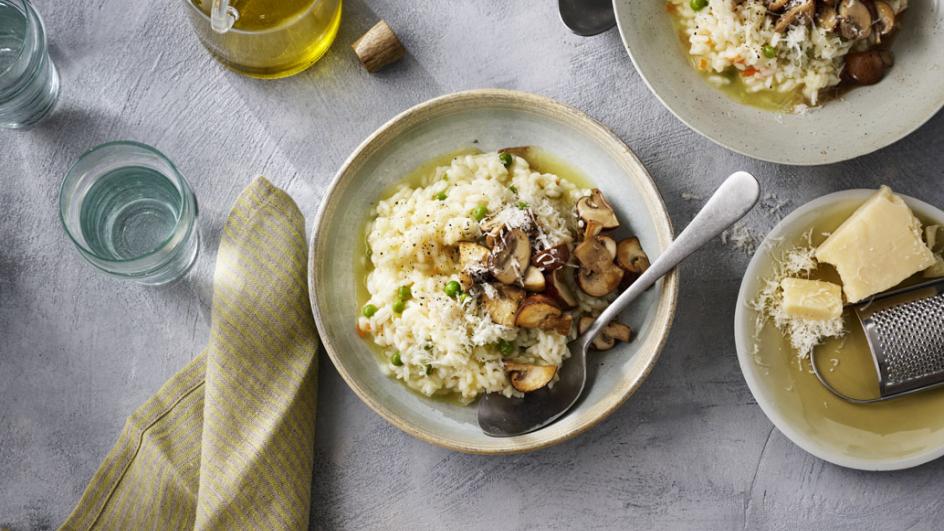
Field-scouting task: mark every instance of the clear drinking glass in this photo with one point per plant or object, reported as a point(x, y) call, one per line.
point(131, 213)
point(29, 83)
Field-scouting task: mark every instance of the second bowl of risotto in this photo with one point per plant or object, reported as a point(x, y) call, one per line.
point(461, 247)
point(791, 81)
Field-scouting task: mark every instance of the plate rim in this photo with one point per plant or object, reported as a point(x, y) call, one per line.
point(747, 365)
point(525, 101)
point(831, 158)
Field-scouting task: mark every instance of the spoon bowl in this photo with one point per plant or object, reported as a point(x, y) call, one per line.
point(587, 17)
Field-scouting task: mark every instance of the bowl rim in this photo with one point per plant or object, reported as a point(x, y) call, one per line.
point(786, 160)
point(546, 106)
point(748, 367)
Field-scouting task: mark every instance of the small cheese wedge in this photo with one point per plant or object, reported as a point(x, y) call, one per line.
point(879, 246)
point(811, 299)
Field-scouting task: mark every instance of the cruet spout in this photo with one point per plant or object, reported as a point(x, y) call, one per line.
point(223, 16)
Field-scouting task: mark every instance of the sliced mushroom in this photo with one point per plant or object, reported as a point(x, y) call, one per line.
point(503, 305)
point(886, 18)
point(534, 279)
point(619, 331)
point(611, 333)
point(473, 261)
point(828, 17)
point(594, 208)
point(541, 312)
point(795, 14)
point(866, 68)
point(510, 256)
point(610, 245)
point(551, 259)
point(855, 20)
point(559, 289)
point(776, 5)
point(631, 257)
point(598, 274)
point(526, 378)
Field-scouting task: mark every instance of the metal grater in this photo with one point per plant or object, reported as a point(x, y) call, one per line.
point(905, 331)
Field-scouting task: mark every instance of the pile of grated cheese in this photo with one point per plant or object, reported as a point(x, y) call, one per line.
point(804, 334)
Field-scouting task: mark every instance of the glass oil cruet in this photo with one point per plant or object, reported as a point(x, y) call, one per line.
point(266, 38)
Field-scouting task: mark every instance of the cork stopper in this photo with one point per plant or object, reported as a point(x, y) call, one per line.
point(378, 47)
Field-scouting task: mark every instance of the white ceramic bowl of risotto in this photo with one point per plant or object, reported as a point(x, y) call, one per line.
point(486, 120)
point(891, 435)
point(863, 120)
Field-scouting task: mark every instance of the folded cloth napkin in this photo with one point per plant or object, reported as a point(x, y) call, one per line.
point(227, 443)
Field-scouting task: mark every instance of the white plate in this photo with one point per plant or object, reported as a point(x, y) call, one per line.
point(862, 121)
point(921, 439)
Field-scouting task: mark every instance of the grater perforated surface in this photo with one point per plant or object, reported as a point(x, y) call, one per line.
point(911, 340)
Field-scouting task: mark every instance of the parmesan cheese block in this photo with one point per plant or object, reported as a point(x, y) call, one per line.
point(811, 299)
point(879, 246)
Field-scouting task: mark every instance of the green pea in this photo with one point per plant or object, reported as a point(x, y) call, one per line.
point(399, 306)
point(505, 347)
point(521, 204)
point(506, 159)
point(452, 288)
point(441, 196)
point(698, 5)
point(464, 297)
point(513, 188)
point(404, 293)
point(769, 51)
point(479, 212)
point(369, 310)
point(395, 360)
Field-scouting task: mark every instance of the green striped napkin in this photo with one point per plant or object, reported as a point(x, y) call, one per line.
point(227, 443)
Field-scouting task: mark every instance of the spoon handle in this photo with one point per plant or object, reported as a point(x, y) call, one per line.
point(736, 196)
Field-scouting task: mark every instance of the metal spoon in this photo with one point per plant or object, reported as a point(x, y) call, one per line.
point(500, 416)
point(587, 17)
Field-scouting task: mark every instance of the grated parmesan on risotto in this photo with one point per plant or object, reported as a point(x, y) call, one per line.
point(440, 343)
point(728, 36)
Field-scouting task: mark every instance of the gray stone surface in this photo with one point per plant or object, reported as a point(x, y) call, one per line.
point(79, 351)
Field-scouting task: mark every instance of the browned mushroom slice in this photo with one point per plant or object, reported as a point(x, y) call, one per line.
point(827, 17)
point(612, 332)
point(776, 5)
point(619, 331)
point(598, 274)
point(855, 20)
point(551, 259)
point(594, 208)
point(510, 257)
point(886, 18)
point(526, 378)
point(866, 68)
point(631, 257)
point(473, 260)
point(610, 245)
point(537, 311)
point(534, 279)
point(502, 306)
point(602, 341)
point(798, 13)
point(558, 288)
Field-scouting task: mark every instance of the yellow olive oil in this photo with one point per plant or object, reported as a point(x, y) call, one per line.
point(892, 429)
point(271, 38)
